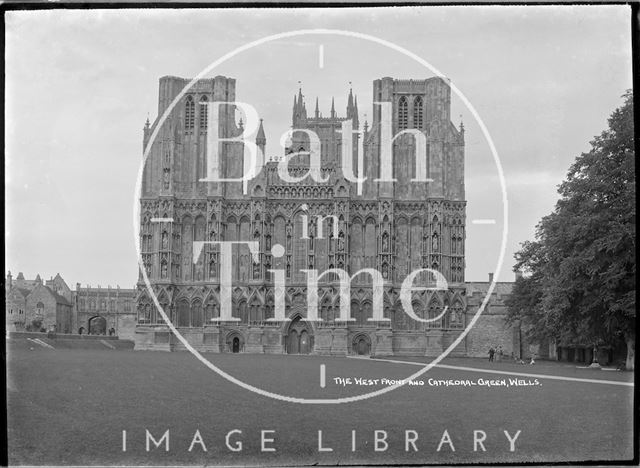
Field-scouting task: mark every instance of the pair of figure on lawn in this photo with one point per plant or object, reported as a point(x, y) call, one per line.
point(493, 353)
point(520, 361)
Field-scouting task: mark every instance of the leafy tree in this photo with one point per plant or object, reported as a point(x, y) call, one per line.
point(580, 270)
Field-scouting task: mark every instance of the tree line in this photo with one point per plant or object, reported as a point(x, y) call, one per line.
point(579, 273)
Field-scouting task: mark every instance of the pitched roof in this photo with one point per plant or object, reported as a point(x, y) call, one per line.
point(23, 291)
point(60, 299)
point(20, 291)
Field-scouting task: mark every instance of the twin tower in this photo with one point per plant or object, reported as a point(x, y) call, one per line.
point(394, 226)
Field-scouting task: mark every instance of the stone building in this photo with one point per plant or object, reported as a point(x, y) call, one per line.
point(15, 307)
point(52, 302)
point(396, 227)
point(34, 305)
point(100, 311)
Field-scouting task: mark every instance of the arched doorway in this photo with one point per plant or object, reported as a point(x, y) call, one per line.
point(362, 345)
point(299, 337)
point(234, 342)
point(97, 326)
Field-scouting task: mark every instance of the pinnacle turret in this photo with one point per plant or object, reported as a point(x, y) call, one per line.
point(299, 107)
point(352, 108)
point(260, 137)
point(146, 131)
point(355, 112)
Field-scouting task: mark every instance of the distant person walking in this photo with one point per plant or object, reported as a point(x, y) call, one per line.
point(491, 353)
point(500, 353)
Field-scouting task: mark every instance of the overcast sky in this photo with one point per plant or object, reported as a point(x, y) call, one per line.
point(80, 84)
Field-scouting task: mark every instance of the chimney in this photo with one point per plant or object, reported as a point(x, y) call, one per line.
point(490, 277)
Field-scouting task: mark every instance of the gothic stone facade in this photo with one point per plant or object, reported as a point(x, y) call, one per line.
point(393, 227)
point(101, 310)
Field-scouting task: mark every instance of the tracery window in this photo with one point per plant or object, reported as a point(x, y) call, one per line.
point(403, 113)
point(417, 112)
point(203, 112)
point(189, 113)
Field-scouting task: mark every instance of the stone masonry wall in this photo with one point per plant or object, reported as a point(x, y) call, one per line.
point(490, 329)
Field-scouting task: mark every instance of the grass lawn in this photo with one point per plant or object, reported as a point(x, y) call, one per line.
point(70, 406)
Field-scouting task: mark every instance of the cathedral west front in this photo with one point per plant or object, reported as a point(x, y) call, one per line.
point(406, 214)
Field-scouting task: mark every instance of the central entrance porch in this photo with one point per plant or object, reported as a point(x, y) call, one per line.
point(299, 337)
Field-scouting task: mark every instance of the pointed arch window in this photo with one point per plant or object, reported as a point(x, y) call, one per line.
point(39, 309)
point(417, 112)
point(203, 112)
point(189, 113)
point(403, 113)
